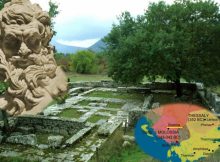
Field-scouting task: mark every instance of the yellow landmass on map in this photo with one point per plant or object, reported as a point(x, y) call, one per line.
point(145, 129)
point(200, 143)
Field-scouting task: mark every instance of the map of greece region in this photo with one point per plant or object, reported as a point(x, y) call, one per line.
point(178, 133)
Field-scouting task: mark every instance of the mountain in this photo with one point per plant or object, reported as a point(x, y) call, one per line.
point(98, 46)
point(66, 49)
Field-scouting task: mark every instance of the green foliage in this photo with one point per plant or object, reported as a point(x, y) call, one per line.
point(124, 50)
point(16, 159)
point(84, 62)
point(3, 87)
point(96, 118)
point(70, 113)
point(2, 3)
point(169, 41)
point(53, 12)
point(62, 98)
point(87, 77)
point(64, 61)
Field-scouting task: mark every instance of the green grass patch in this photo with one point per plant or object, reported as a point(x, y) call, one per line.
point(110, 94)
point(70, 113)
point(215, 89)
point(16, 159)
point(42, 138)
point(114, 105)
point(112, 151)
point(84, 103)
point(95, 118)
point(108, 111)
point(87, 77)
point(133, 154)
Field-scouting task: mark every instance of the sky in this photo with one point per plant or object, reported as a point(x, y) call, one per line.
point(82, 23)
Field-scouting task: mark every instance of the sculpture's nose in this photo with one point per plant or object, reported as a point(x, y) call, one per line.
point(24, 50)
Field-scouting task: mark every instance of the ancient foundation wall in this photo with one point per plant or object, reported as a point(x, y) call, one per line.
point(50, 125)
point(210, 98)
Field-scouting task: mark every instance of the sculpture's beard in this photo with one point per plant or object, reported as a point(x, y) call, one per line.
point(21, 62)
point(26, 76)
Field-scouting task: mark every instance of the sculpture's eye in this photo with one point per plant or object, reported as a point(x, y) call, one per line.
point(34, 42)
point(11, 42)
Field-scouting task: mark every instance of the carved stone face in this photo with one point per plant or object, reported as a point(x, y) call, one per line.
point(26, 58)
point(24, 32)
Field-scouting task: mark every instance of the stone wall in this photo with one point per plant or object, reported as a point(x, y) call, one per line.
point(146, 86)
point(50, 125)
point(168, 86)
point(107, 84)
point(209, 98)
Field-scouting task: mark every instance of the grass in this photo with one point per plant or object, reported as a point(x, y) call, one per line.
point(109, 94)
point(133, 154)
point(95, 118)
point(74, 77)
point(70, 113)
point(215, 89)
point(108, 111)
point(42, 138)
point(87, 77)
point(114, 105)
point(84, 103)
point(112, 151)
point(16, 159)
point(109, 105)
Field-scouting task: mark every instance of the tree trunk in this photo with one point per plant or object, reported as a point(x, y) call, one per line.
point(178, 88)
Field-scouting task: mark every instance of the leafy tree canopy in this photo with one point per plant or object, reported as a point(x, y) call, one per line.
point(174, 41)
point(84, 62)
point(2, 3)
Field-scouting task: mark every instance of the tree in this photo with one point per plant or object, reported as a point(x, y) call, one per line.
point(171, 41)
point(84, 62)
point(65, 61)
point(124, 50)
point(53, 12)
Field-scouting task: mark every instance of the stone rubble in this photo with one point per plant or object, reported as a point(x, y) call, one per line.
point(30, 139)
point(55, 141)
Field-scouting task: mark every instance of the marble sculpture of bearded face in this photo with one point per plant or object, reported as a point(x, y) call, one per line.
point(26, 59)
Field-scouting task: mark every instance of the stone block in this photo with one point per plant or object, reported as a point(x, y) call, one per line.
point(55, 141)
point(77, 136)
point(147, 102)
point(129, 138)
point(29, 139)
point(108, 128)
point(217, 105)
point(155, 105)
point(134, 116)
